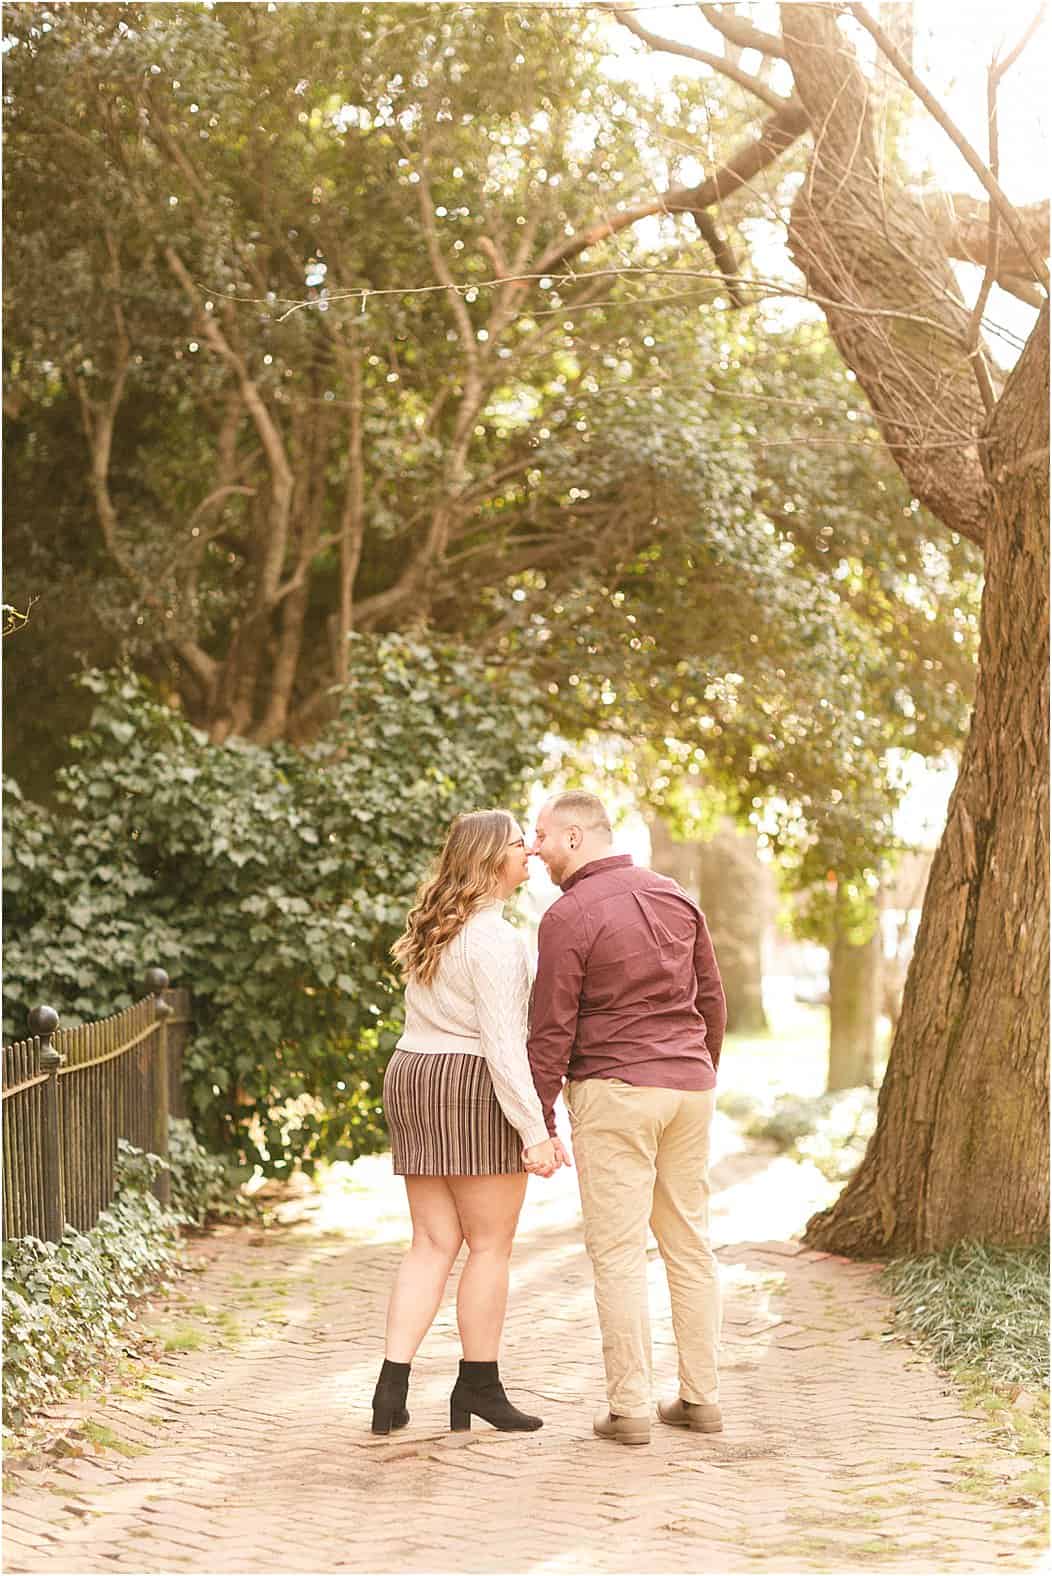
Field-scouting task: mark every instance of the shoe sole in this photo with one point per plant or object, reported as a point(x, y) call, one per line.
point(694, 1428)
point(623, 1439)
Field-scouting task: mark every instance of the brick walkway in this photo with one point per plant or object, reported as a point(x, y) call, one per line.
point(245, 1448)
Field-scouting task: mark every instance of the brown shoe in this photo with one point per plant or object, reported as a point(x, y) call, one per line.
point(626, 1430)
point(691, 1414)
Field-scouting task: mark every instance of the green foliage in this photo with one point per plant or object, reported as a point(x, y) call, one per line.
point(273, 880)
point(790, 626)
point(66, 1303)
point(682, 519)
point(831, 1131)
point(977, 1306)
point(204, 1186)
point(280, 154)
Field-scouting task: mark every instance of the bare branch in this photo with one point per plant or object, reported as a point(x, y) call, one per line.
point(1010, 59)
point(352, 521)
point(14, 619)
point(997, 196)
point(722, 252)
point(99, 419)
point(442, 270)
point(671, 46)
point(1022, 289)
point(270, 436)
point(778, 132)
point(740, 32)
point(975, 322)
point(201, 665)
point(963, 226)
point(214, 497)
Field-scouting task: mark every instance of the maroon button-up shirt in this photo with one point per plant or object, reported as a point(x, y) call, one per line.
point(627, 985)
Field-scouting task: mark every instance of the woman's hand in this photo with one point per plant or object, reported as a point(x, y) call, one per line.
point(542, 1160)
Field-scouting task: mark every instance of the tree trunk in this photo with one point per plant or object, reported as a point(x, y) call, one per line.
point(734, 890)
point(854, 1004)
point(874, 260)
point(961, 1145)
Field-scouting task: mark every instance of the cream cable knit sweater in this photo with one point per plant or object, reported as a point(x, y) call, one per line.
point(478, 1005)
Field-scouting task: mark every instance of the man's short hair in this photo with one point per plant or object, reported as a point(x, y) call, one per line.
point(585, 809)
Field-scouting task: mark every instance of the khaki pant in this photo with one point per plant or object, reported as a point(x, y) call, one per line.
point(643, 1155)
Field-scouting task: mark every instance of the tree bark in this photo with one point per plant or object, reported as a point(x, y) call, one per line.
point(871, 255)
point(961, 1145)
point(854, 1004)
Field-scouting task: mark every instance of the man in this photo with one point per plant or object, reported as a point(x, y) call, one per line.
point(628, 1007)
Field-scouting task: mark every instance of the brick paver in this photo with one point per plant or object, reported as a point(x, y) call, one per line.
point(843, 1449)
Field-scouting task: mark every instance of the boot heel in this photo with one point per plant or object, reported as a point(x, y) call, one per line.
point(478, 1392)
point(389, 1408)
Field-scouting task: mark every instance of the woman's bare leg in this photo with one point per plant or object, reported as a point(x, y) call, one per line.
point(488, 1210)
point(422, 1274)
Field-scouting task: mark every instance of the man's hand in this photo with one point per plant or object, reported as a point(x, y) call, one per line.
point(562, 1153)
point(541, 1160)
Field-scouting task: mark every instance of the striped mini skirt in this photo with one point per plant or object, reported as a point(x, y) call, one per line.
point(444, 1117)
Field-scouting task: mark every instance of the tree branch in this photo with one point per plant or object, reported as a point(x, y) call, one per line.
point(274, 448)
point(442, 270)
point(215, 497)
point(99, 420)
point(778, 132)
point(963, 225)
point(740, 32)
point(867, 251)
point(1010, 59)
point(975, 322)
point(722, 252)
point(1022, 289)
point(352, 521)
point(671, 46)
point(201, 665)
point(960, 142)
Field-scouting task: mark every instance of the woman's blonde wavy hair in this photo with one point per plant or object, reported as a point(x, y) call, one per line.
point(465, 878)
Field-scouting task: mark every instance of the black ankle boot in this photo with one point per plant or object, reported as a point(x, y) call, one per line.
point(478, 1392)
point(392, 1387)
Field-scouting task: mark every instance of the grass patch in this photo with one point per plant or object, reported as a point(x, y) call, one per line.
point(106, 1439)
point(978, 1307)
point(228, 1326)
point(185, 1338)
point(982, 1313)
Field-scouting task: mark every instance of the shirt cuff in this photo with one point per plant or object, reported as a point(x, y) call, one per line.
point(535, 1135)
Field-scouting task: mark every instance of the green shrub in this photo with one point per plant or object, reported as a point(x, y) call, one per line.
point(272, 881)
point(204, 1186)
point(831, 1130)
point(65, 1303)
point(738, 1105)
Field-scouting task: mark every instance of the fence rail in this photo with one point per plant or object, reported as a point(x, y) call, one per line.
point(70, 1094)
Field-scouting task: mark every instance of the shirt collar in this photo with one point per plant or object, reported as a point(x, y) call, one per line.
point(594, 866)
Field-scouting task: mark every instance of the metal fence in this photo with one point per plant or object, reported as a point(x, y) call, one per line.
point(70, 1094)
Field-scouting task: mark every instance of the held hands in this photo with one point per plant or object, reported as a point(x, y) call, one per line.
point(544, 1160)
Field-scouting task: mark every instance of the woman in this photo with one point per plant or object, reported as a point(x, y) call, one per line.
point(463, 1115)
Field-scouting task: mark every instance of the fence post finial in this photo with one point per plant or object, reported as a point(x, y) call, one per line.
point(156, 981)
point(43, 1021)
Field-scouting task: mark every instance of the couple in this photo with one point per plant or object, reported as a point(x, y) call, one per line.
point(628, 1007)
